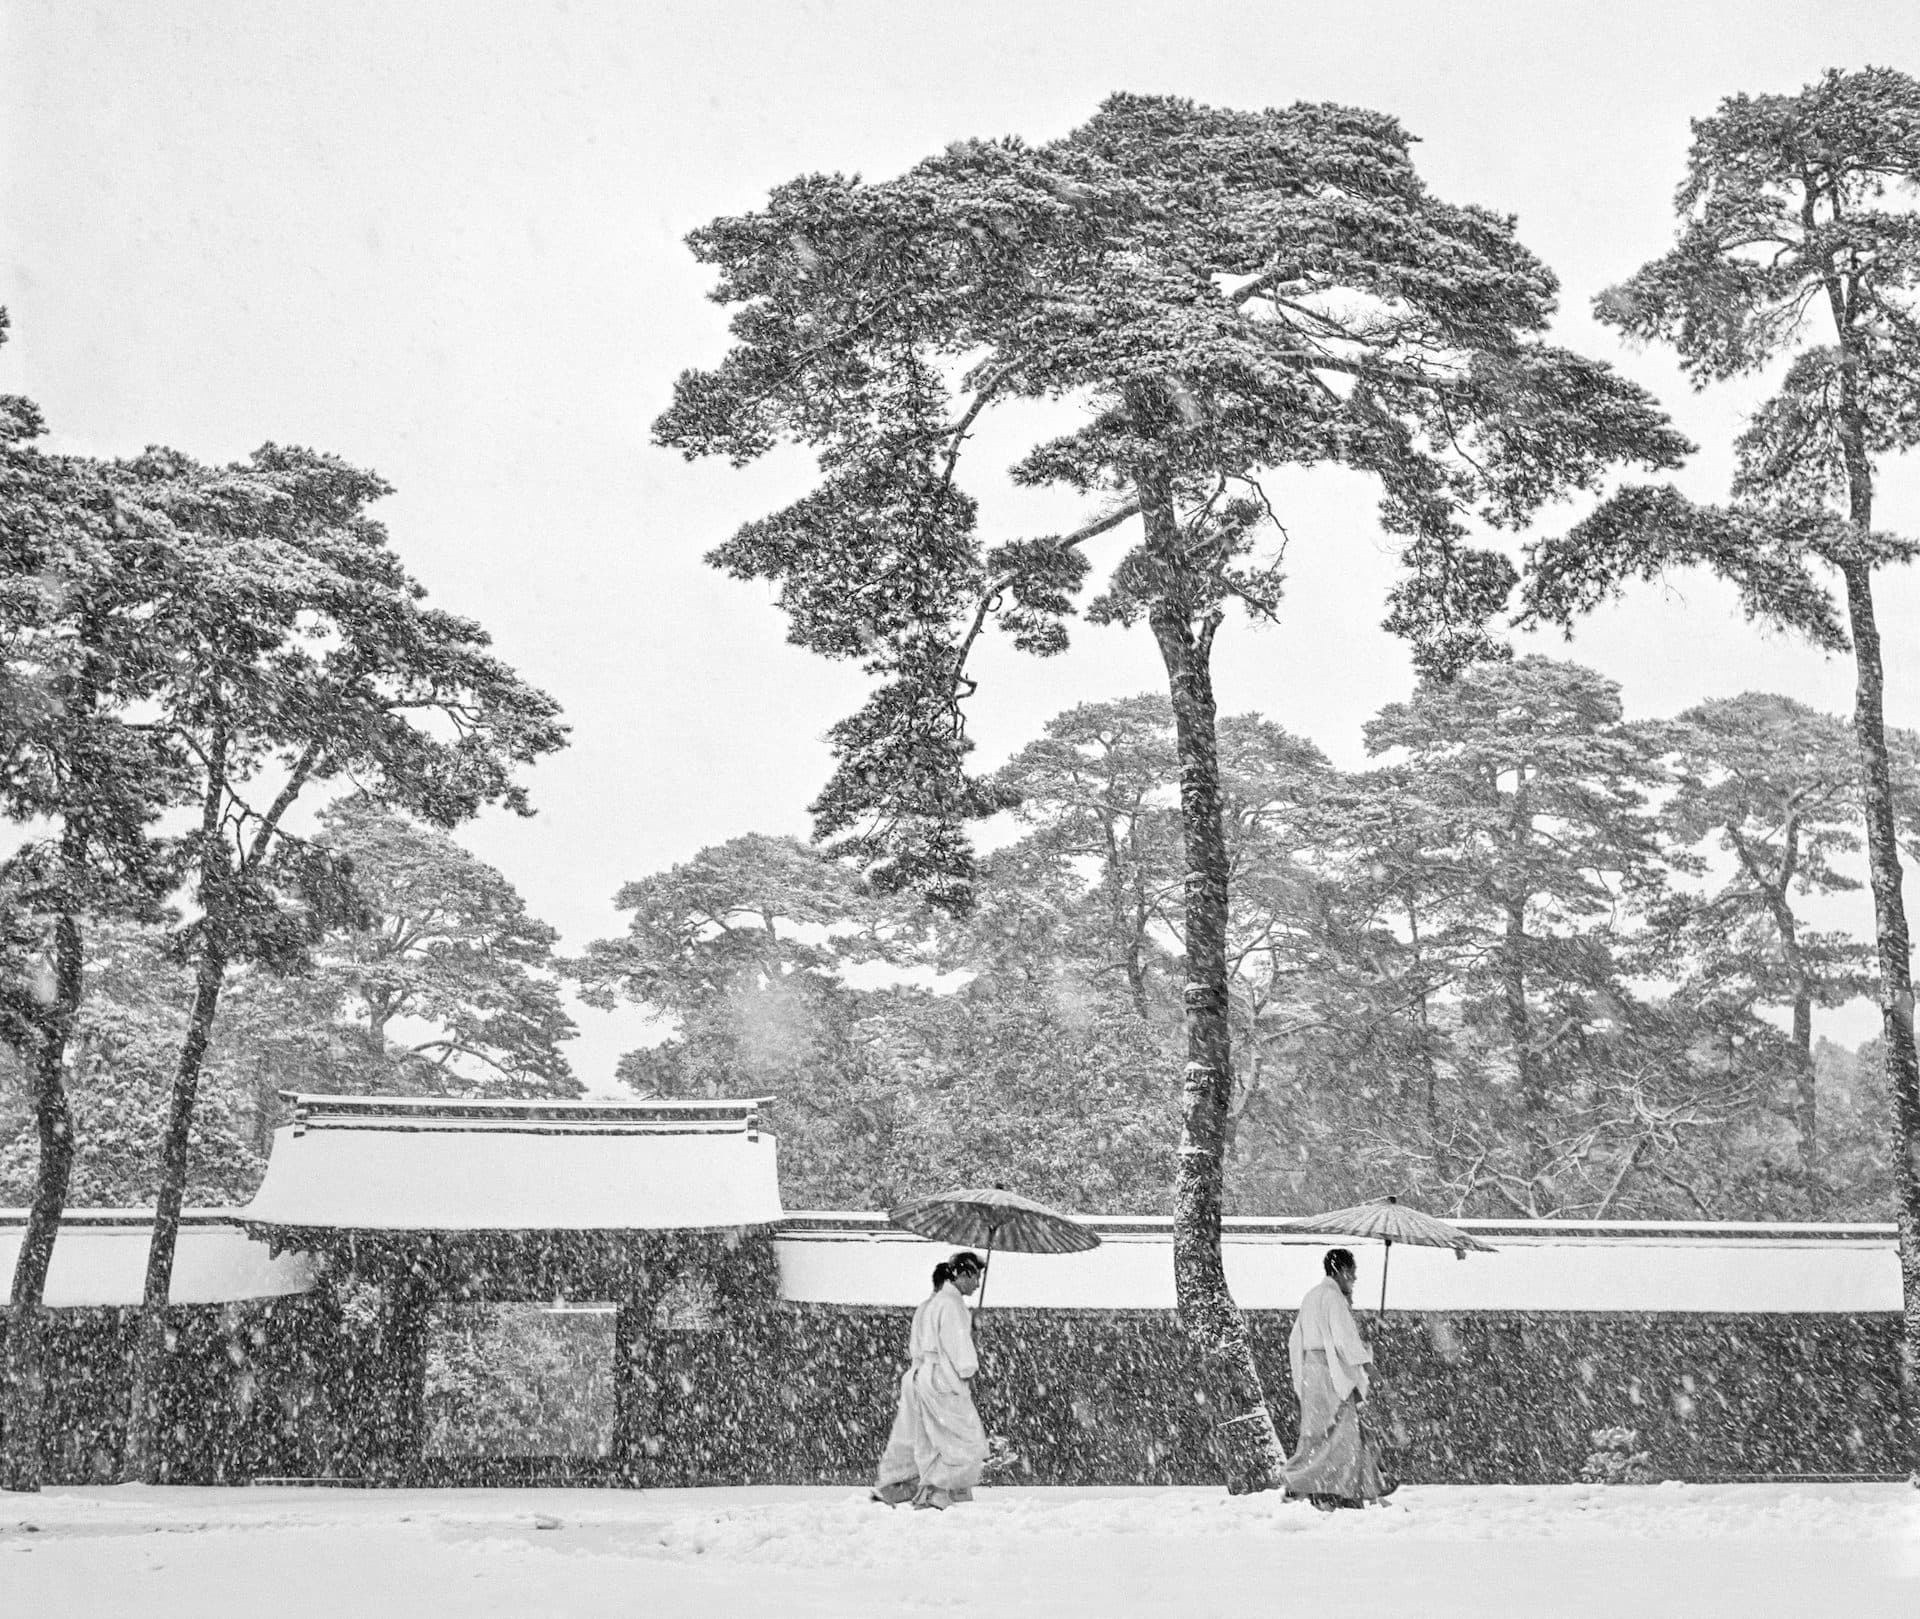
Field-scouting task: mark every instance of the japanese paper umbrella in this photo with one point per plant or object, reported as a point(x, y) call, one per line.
point(991, 1217)
point(1390, 1220)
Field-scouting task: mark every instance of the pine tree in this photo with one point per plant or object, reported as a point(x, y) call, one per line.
point(291, 649)
point(1203, 296)
point(85, 784)
point(1797, 241)
point(1772, 784)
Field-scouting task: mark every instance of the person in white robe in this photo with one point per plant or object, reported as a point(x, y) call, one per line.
point(937, 1449)
point(1336, 1464)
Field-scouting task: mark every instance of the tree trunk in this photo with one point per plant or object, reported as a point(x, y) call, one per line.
point(1430, 1071)
point(1806, 1106)
point(142, 1459)
point(1806, 1099)
point(1774, 888)
point(266, 1094)
point(1519, 1021)
point(1140, 919)
point(1248, 1445)
point(1902, 1066)
point(1123, 926)
point(1513, 979)
point(1513, 957)
point(23, 1378)
point(26, 1370)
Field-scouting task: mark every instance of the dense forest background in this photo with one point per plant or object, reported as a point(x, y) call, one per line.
point(1540, 958)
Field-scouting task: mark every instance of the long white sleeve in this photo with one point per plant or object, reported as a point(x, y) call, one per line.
point(1326, 1322)
point(953, 1326)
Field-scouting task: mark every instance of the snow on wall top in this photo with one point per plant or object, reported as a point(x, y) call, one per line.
point(859, 1260)
point(443, 1164)
point(100, 1258)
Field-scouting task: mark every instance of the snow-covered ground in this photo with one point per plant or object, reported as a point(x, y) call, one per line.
point(1688, 1551)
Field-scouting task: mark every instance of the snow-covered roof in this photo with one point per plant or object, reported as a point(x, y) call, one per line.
point(100, 1258)
point(1540, 1265)
point(354, 1163)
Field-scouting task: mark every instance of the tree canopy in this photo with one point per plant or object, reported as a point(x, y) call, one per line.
point(1207, 295)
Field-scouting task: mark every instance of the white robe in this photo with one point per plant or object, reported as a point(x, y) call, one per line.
point(1326, 1322)
point(937, 1437)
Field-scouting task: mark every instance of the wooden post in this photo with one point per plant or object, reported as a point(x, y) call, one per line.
point(403, 1359)
point(636, 1399)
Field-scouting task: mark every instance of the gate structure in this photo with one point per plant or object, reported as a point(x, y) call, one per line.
point(515, 1280)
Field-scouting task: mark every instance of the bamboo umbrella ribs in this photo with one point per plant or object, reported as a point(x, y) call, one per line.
point(1392, 1221)
point(991, 1217)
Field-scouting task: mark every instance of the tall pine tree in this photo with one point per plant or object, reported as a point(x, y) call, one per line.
point(1203, 296)
point(1798, 241)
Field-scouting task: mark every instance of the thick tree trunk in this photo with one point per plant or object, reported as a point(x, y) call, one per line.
point(26, 1348)
point(142, 1459)
point(1901, 1064)
point(1248, 1444)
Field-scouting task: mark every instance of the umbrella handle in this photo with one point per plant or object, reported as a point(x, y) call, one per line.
point(1381, 1313)
point(984, 1271)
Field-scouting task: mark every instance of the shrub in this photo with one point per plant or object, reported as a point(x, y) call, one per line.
point(1613, 1460)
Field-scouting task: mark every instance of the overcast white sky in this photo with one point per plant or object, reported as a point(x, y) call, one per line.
point(444, 241)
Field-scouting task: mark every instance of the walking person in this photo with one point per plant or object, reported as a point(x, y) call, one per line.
point(937, 1449)
point(1336, 1463)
